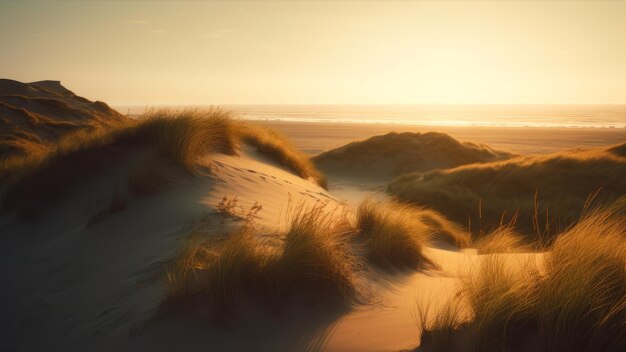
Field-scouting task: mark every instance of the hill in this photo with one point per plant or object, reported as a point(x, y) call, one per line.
point(33, 115)
point(542, 194)
point(394, 154)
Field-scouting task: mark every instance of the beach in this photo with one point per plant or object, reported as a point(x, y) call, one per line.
point(316, 137)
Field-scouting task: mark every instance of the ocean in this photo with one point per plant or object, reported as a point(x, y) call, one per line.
point(562, 115)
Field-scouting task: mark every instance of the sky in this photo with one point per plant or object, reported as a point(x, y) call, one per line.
point(344, 52)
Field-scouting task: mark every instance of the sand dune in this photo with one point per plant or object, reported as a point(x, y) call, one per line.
point(317, 137)
point(187, 230)
point(394, 154)
point(33, 115)
point(542, 194)
point(84, 287)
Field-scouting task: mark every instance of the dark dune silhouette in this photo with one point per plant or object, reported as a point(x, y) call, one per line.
point(33, 115)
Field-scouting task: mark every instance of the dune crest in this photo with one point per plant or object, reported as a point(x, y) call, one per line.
point(33, 115)
point(390, 155)
point(541, 194)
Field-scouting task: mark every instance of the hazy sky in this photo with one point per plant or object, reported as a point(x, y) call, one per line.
point(320, 52)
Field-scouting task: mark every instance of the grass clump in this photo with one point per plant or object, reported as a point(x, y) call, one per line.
point(576, 301)
point(219, 271)
point(185, 135)
point(280, 149)
point(394, 239)
point(582, 298)
point(394, 234)
point(439, 333)
point(502, 301)
point(504, 239)
point(444, 230)
point(312, 262)
point(316, 259)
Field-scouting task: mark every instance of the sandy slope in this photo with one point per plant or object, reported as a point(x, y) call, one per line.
point(75, 287)
point(82, 287)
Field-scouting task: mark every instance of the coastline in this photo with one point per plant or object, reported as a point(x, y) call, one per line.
point(316, 137)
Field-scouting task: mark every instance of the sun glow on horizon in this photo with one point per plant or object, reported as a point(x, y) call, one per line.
point(321, 52)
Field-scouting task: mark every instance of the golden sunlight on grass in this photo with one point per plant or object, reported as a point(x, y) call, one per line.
point(582, 297)
point(502, 302)
point(575, 301)
point(313, 262)
point(540, 195)
point(395, 233)
point(180, 137)
point(504, 239)
point(280, 149)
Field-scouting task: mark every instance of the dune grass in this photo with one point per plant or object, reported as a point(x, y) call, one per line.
point(279, 148)
point(185, 135)
point(395, 233)
point(316, 259)
point(543, 194)
point(33, 182)
point(218, 270)
point(444, 230)
point(576, 301)
point(394, 238)
point(503, 303)
point(582, 298)
point(504, 239)
point(440, 333)
point(313, 263)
